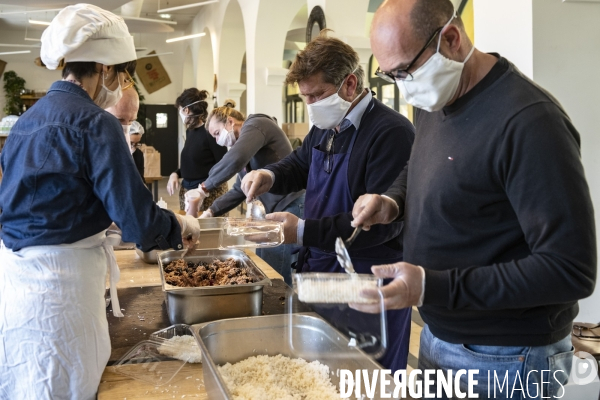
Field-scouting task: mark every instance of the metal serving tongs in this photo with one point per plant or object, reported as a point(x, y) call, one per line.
point(341, 250)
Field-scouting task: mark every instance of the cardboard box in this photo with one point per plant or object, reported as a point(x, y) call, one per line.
point(297, 130)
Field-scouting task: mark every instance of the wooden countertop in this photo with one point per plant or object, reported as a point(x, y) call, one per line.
point(189, 382)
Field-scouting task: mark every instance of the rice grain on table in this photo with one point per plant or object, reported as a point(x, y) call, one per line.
point(182, 348)
point(278, 377)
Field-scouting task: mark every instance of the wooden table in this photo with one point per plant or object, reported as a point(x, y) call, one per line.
point(152, 183)
point(139, 286)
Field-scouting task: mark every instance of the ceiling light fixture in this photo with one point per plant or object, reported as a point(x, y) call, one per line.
point(19, 45)
point(15, 52)
point(186, 6)
point(28, 12)
point(155, 55)
point(195, 35)
point(165, 16)
point(149, 20)
point(38, 22)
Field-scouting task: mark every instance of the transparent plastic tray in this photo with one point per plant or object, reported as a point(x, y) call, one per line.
point(145, 362)
point(250, 233)
point(330, 296)
point(158, 359)
point(324, 287)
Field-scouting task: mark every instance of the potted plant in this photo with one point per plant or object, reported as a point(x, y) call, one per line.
point(13, 85)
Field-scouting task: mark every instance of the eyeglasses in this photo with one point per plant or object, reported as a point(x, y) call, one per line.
point(135, 145)
point(328, 163)
point(403, 74)
point(586, 332)
point(131, 81)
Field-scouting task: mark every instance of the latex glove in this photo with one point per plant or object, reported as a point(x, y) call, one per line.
point(190, 230)
point(256, 183)
point(290, 225)
point(372, 209)
point(406, 290)
point(207, 214)
point(173, 184)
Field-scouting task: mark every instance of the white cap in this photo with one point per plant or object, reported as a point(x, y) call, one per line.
point(84, 32)
point(136, 128)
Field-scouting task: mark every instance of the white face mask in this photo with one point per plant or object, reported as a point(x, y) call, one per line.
point(435, 82)
point(107, 98)
point(329, 112)
point(226, 138)
point(183, 115)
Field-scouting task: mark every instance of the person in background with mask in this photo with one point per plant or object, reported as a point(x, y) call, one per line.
point(499, 240)
point(200, 152)
point(255, 142)
point(135, 136)
point(126, 109)
point(67, 175)
point(356, 146)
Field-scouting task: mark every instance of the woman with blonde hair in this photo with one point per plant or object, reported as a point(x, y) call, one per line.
point(254, 143)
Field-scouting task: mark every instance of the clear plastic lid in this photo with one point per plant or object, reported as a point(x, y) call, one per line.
point(330, 296)
point(250, 233)
point(159, 359)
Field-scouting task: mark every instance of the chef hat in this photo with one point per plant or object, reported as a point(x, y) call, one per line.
point(136, 128)
point(84, 32)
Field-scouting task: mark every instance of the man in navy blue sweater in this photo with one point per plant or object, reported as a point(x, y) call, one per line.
point(356, 146)
point(499, 237)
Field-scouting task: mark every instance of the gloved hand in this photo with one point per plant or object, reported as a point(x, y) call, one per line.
point(371, 209)
point(173, 184)
point(406, 290)
point(190, 230)
point(207, 214)
point(255, 183)
point(290, 225)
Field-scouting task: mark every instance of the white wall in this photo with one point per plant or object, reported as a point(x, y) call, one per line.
point(506, 27)
point(558, 45)
point(566, 50)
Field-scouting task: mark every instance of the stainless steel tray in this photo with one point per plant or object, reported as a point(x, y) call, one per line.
point(236, 339)
point(209, 303)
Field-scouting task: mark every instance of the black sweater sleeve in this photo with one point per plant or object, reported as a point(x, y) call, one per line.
point(539, 166)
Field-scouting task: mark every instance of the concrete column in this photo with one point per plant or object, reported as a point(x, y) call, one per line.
point(555, 42)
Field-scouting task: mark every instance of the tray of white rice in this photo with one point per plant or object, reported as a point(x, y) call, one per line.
point(253, 358)
point(331, 287)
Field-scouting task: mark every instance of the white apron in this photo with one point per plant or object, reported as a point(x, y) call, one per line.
point(54, 341)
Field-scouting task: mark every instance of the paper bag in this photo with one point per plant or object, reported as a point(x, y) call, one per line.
point(152, 73)
point(151, 162)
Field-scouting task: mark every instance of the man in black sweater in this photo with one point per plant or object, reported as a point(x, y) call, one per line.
point(499, 239)
point(356, 146)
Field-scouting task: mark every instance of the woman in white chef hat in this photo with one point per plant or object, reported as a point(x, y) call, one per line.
point(67, 175)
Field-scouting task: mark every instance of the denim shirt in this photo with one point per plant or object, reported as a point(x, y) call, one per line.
point(68, 174)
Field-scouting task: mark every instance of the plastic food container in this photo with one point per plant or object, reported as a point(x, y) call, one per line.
point(321, 287)
point(250, 233)
point(158, 359)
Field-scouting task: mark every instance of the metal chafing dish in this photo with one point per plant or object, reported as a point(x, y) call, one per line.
point(233, 340)
point(209, 303)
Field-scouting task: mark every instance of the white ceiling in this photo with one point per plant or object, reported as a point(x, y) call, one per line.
point(20, 22)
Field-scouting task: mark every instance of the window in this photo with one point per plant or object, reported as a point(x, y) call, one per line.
point(162, 120)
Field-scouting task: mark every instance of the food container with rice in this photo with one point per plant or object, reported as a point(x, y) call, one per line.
point(331, 295)
point(247, 358)
point(159, 359)
point(206, 285)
